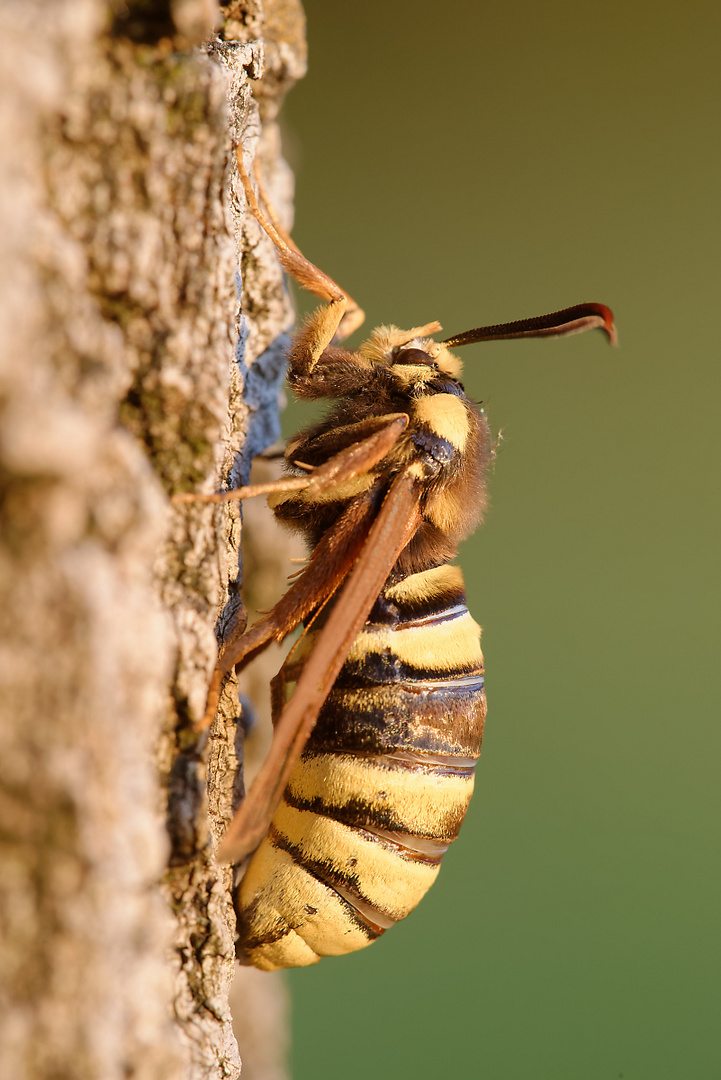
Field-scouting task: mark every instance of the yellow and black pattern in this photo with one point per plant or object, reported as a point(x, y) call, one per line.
point(385, 779)
point(383, 785)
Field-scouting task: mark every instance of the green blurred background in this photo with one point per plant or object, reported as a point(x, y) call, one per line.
point(482, 162)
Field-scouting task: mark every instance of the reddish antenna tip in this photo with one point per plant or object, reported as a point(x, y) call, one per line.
point(608, 324)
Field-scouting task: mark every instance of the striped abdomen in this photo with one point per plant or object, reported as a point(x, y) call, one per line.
point(382, 787)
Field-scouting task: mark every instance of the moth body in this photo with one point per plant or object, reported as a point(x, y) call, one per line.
point(379, 709)
point(387, 773)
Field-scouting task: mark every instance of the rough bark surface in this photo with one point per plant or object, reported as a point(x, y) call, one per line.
point(126, 374)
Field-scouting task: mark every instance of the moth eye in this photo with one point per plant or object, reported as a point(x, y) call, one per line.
point(412, 356)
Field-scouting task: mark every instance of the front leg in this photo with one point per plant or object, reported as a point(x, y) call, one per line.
point(335, 322)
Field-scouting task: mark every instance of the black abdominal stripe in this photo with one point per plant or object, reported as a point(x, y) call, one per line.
point(382, 787)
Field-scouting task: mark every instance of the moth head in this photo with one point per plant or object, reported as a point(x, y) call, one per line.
point(413, 355)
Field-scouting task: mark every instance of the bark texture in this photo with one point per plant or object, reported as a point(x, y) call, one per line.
point(126, 374)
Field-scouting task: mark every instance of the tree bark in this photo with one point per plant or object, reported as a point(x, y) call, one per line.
point(128, 373)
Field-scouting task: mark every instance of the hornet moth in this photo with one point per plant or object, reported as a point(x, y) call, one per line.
point(379, 708)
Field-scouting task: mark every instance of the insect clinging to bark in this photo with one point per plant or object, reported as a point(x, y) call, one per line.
point(379, 709)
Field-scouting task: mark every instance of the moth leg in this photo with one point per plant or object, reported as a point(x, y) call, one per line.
point(343, 315)
point(359, 457)
point(303, 450)
point(354, 316)
point(330, 562)
point(345, 465)
point(268, 204)
point(288, 483)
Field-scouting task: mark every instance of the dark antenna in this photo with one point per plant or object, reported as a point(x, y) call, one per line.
point(572, 320)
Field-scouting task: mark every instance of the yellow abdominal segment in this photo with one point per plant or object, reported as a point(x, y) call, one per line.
point(382, 787)
point(453, 644)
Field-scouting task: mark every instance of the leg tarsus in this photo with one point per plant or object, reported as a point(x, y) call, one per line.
point(290, 483)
